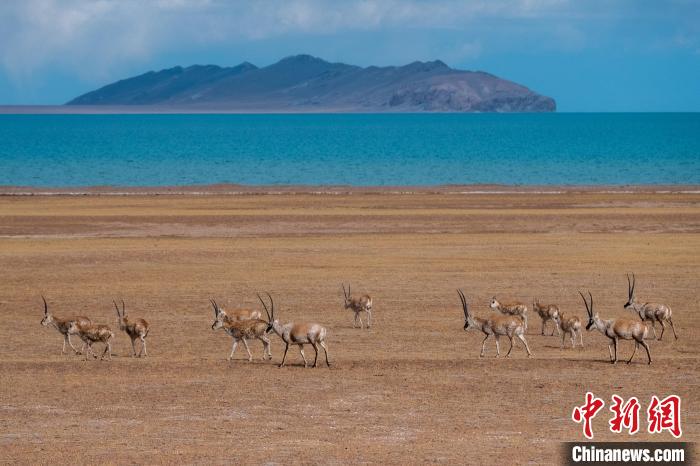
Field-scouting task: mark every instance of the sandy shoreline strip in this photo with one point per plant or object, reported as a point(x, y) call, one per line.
point(237, 190)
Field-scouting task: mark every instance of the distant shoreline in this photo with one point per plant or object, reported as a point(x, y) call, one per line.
point(233, 190)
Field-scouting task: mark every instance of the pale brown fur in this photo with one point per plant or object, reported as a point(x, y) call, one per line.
point(94, 333)
point(548, 313)
point(497, 325)
point(649, 312)
point(515, 308)
point(137, 328)
point(616, 329)
point(571, 325)
point(357, 306)
point(242, 330)
point(299, 334)
point(62, 326)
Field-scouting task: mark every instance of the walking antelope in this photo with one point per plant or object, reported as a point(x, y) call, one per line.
point(516, 308)
point(569, 324)
point(62, 325)
point(137, 328)
point(616, 329)
point(242, 330)
point(650, 312)
point(93, 333)
point(358, 305)
point(297, 334)
point(547, 312)
point(497, 325)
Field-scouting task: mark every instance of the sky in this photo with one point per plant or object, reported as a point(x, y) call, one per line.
point(589, 55)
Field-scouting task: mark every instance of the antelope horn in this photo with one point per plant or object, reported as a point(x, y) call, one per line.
point(216, 309)
point(588, 311)
point(123, 308)
point(117, 308)
point(465, 308)
point(591, 296)
point(269, 317)
point(634, 283)
point(629, 287)
point(344, 293)
point(272, 303)
point(46, 306)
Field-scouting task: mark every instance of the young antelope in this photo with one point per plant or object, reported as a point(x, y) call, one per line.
point(63, 326)
point(616, 329)
point(297, 334)
point(497, 325)
point(242, 330)
point(515, 308)
point(548, 313)
point(137, 328)
point(649, 312)
point(358, 305)
point(93, 333)
point(571, 325)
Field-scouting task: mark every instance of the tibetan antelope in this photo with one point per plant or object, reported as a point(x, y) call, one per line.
point(242, 330)
point(93, 333)
point(649, 312)
point(616, 329)
point(571, 325)
point(497, 325)
point(515, 308)
point(235, 315)
point(358, 305)
point(137, 328)
point(547, 312)
point(297, 334)
point(63, 326)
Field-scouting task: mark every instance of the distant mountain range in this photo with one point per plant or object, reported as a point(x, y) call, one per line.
point(303, 83)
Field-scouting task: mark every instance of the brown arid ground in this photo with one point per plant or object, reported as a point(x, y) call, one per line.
point(410, 390)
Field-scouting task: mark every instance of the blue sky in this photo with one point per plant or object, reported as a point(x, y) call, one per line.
point(590, 55)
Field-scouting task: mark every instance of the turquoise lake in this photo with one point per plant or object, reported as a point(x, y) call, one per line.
point(350, 149)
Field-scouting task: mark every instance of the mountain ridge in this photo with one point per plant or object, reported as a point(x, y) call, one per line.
point(307, 83)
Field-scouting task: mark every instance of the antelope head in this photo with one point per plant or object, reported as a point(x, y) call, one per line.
point(219, 316)
point(465, 307)
point(271, 321)
point(48, 318)
point(630, 292)
point(589, 310)
point(494, 303)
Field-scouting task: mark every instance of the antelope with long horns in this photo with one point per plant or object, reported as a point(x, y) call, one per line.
point(548, 313)
point(137, 328)
point(62, 326)
point(498, 325)
point(571, 325)
point(616, 329)
point(358, 305)
point(515, 308)
point(649, 312)
point(297, 334)
point(242, 330)
point(93, 333)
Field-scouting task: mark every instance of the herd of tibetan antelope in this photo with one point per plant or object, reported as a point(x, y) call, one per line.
point(509, 321)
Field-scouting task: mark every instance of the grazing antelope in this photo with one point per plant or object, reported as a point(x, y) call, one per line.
point(241, 330)
point(569, 324)
point(547, 312)
point(516, 308)
point(497, 325)
point(297, 334)
point(358, 305)
point(649, 312)
point(93, 333)
point(137, 328)
point(63, 326)
point(616, 329)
